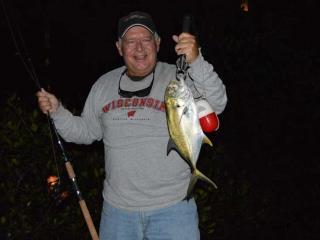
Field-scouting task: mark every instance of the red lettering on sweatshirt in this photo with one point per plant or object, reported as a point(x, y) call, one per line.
point(134, 103)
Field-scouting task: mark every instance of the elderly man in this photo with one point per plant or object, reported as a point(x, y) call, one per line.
point(144, 187)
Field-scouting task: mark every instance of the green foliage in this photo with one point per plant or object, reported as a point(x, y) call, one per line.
point(28, 210)
point(227, 207)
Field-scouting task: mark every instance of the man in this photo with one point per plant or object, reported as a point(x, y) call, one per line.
point(143, 188)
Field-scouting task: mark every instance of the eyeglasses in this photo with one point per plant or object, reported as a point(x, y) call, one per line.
point(140, 93)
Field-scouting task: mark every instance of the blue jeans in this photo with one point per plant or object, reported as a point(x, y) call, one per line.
point(177, 222)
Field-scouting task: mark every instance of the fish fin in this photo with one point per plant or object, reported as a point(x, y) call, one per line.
point(207, 140)
point(204, 178)
point(171, 145)
point(183, 113)
point(192, 183)
point(193, 180)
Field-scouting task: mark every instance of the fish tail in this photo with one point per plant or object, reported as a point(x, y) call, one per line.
point(193, 180)
point(207, 140)
point(205, 178)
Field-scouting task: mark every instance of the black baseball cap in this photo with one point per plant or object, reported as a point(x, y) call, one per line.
point(135, 19)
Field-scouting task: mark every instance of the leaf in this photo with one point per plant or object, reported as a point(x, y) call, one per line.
point(34, 127)
point(3, 220)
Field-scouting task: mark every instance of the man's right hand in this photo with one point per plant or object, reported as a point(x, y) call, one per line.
point(47, 102)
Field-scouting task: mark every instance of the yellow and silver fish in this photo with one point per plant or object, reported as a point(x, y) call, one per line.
point(186, 135)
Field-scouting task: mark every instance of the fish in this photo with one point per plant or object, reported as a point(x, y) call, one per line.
point(186, 135)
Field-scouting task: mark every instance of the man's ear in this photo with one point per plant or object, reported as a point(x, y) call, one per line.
point(118, 45)
point(158, 41)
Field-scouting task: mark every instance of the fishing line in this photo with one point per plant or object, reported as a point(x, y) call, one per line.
point(28, 65)
point(32, 73)
point(29, 68)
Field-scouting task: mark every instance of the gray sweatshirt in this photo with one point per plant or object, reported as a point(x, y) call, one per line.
point(139, 173)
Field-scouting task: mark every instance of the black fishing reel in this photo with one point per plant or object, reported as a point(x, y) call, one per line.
point(181, 63)
point(55, 190)
point(182, 67)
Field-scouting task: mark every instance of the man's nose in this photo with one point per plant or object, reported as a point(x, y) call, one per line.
point(139, 45)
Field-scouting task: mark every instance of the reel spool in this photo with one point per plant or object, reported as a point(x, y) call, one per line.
point(55, 191)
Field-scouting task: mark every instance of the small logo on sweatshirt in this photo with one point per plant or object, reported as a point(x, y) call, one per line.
point(131, 113)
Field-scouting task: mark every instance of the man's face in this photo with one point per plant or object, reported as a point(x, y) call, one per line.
point(139, 49)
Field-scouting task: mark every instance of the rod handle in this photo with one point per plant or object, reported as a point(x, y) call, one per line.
point(186, 23)
point(88, 219)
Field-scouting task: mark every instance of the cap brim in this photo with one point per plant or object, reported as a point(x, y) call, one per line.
point(133, 25)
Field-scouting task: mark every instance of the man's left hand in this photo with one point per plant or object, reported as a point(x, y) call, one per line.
point(186, 44)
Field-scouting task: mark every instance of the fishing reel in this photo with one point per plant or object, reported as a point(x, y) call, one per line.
point(55, 190)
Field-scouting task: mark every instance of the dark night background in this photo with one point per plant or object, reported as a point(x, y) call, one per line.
point(269, 61)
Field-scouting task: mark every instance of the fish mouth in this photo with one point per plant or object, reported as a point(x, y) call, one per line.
point(172, 90)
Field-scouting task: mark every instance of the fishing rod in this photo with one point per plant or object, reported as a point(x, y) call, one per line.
point(27, 62)
point(72, 176)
